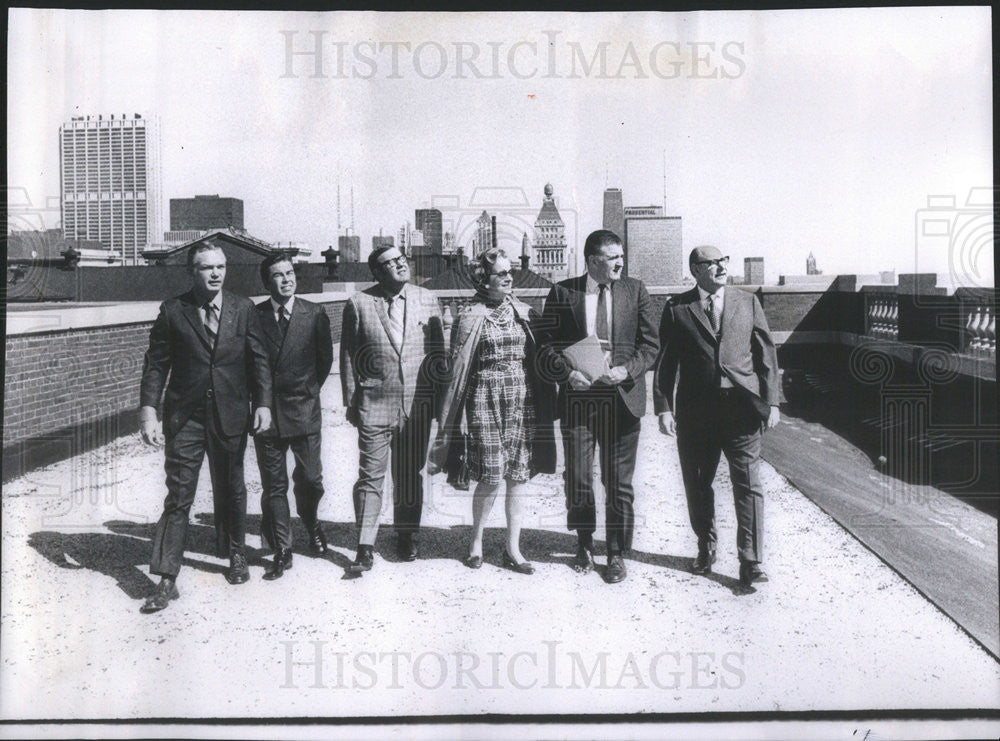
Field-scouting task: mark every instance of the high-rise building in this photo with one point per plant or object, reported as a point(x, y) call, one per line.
point(614, 214)
point(205, 212)
point(550, 239)
point(485, 237)
point(349, 246)
point(753, 271)
point(428, 221)
point(109, 173)
point(811, 265)
point(653, 250)
point(379, 241)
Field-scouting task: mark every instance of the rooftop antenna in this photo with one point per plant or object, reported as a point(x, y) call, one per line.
point(352, 208)
point(664, 182)
point(338, 199)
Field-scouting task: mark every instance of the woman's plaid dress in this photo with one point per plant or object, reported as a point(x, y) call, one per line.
point(500, 410)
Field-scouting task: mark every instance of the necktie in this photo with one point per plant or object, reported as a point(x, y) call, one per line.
point(713, 313)
point(601, 320)
point(283, 321)
point(211, 322)
point(396, 319)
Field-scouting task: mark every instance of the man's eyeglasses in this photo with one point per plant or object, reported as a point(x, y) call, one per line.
point(397, 261)
point(719, 262)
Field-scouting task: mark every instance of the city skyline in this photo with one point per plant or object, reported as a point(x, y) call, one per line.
point(818, 131)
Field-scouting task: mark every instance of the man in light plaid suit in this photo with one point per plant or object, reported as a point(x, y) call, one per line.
point(391, 368)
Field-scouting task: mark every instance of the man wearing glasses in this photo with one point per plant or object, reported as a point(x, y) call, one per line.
point(717, 341)
point(391, 368)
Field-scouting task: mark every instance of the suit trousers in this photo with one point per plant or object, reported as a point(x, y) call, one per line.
point(307, 480)
point(599, 415)
point(185, 451)
point(404, 446)
point(728, 424)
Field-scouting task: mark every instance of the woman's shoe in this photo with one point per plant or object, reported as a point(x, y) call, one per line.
point(473, 562)
point(524, 567)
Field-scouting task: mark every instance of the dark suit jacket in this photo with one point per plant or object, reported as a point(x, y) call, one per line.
point(179, 348)
point(299, 366)
point(633, 335)
point(746, 354)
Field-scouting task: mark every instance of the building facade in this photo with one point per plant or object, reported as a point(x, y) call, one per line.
point(753, 271)
point(349, 246)
point(653, 250)
point(550, 240)
point(109, 173)
point(614, 213)
point(429, 222)
point(205, 213)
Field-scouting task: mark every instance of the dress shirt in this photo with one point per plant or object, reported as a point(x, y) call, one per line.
point(590, 302)
point(277, 308)
point(720, 302)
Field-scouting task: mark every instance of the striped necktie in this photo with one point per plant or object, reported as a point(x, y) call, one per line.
point(211, 322)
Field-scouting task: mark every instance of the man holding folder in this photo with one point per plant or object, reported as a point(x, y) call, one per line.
point(600, 406)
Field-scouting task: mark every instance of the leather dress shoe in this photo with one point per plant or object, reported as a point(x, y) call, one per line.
point(473, 562)
point(317, 540)
point(166, 590)
point(584, 561)
point(616, 569)
point(364, 560)
point(703, 562)
point(525, 567)
point(238, 572)
point(751, 573)
point(282, 563)
point(406, 547)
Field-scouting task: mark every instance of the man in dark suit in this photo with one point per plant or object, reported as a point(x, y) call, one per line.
point(208, 342)
point(300, 351)
point(618, 312)
point(717, 340)
point(391, 368)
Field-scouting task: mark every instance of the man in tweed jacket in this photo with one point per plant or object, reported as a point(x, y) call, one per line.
point(391, 368)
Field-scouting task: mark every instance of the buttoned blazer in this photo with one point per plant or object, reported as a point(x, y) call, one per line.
point(182, 360)
point(634, 342)
point(300, 364)
point(376, 375)
point(693, 357)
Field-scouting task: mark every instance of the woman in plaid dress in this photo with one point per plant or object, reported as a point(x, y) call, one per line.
point(497, 407)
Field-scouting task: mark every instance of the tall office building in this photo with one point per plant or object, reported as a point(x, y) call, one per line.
point(109, 173)
point(349, 246)
point(653, 250)
point(753, 271)
point(550, 239)
point(205, 212)
point(485, 237)
point(428, 221)
point(614, 214)
point(632, 211)
point(379, 241)
point(811, 268)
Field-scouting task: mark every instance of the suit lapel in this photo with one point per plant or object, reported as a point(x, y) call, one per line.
point(619, 313)
point(296, 323)
point(270, 326)
point(698, 312)
point(383, 315)
point(190, 311)
point(227, 322)
point(409, 314)
point(577, 302)
point(731, 308)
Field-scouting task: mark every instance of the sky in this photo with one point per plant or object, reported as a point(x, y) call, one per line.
point(771, 134)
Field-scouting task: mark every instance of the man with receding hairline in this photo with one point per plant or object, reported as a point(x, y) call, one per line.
point(718, 375)
point(206, 360)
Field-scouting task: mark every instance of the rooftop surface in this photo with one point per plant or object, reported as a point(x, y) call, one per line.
point(834, 629)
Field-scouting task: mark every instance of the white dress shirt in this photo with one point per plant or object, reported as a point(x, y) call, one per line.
point(277, 309)
point(719, 297)
point(590, 302)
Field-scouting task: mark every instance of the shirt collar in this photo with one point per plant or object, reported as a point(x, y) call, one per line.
point(593, 285)
point(216, 302)
point(703, 294)
point(276, 307)
point(391, 297)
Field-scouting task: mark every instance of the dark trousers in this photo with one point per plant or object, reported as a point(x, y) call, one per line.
point(600, 416)
point(185, 451)
point(403, 448)
point(729, 425)
point(307, 480)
